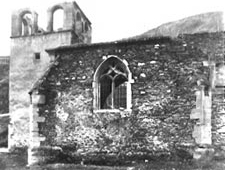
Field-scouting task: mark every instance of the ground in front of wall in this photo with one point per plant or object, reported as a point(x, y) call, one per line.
point(18, 161)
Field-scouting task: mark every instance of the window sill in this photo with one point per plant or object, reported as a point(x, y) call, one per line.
point(111, 110)
point(123, 113)
point(4, 150)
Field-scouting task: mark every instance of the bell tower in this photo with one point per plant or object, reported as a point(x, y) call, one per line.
point(29, 59)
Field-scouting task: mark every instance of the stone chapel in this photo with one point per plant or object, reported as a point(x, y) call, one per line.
point(121, 100)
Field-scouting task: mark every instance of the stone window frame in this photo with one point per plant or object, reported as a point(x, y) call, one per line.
point(51, 18)
point(22, 26)
point(26, 24)
point(96, 89)
point(58, 8)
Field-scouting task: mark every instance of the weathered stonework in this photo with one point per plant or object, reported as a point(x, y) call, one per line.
point(4, 103)
point(175, 96)
point(29, 60)
point(163, 97)
point(4, 85)
point(202, 113)
point(212, 44)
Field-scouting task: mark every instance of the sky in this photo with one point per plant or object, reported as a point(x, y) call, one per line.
point(111, 19)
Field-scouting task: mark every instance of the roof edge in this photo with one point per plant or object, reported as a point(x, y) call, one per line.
point(74, 3)
point(40, 80)
point(151, 40)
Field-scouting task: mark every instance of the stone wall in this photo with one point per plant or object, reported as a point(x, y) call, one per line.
point(25, 69)
point(29, 59)
point(4, 85)
point(212, 44)
point(165, 74)
point(4, 121)
point(4, 101)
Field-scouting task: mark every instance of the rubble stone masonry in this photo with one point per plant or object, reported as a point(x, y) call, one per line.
point(167, 75)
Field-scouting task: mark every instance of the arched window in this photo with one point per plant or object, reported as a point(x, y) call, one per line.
point(86, 27)
point(27, 21)
point(112, 85)
point(58, 19)
point(78, 16)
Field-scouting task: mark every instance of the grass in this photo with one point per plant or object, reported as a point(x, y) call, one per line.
point(18, 161)
point(156, 165)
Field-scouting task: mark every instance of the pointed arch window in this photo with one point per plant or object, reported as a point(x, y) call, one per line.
point(112, 85)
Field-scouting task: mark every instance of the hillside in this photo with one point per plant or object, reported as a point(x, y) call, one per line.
point(206, 22)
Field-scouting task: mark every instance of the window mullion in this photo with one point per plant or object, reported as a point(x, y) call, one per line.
point(98, 96)
point(113, 90)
